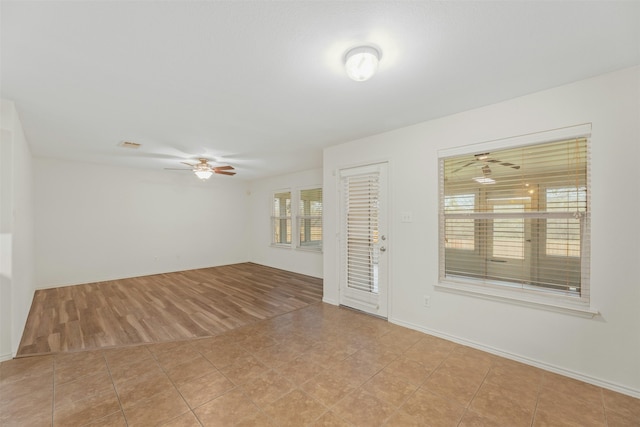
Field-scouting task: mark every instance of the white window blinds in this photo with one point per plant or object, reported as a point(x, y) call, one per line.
point(361, 204)
point(310, 218)
point(518, 217)
point(281, 218)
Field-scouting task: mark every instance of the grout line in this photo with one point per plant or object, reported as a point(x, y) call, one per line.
point(115, 389)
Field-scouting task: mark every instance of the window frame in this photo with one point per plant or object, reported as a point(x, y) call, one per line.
point(519, 294)
point(300, 218)
point(287, 219)
point(293, 219)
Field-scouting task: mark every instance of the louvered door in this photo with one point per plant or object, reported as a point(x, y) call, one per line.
point(363, 238)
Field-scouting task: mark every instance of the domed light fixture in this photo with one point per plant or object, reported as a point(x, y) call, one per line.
point(361, 63)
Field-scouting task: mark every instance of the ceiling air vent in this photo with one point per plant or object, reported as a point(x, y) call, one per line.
point(129, 144)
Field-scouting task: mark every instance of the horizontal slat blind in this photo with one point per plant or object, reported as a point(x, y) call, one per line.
point(518, 217)
point(310, 218)
point(361, 206)
point(281, 218)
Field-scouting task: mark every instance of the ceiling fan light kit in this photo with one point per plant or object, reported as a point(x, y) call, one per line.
point(361, 62)
point(204, 170)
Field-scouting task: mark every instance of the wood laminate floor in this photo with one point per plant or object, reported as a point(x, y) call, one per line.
point(162, 307)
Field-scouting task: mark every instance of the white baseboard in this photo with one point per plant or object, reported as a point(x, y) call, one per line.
point(6, 356)
point(542, 365)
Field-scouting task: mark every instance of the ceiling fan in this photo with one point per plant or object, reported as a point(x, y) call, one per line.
point(482, 160)
point(204, 170)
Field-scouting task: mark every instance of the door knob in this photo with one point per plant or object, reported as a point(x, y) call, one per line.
point(383, 249)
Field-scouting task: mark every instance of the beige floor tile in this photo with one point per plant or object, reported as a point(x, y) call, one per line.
point(244, 369)
point(376, 358)
point(294, 409)
point(22, 368)
point(430, 352)
point(257, 419)
point(324, 353)
point(504, 405)
point(401, 419)
point(267, 388)
point(187, 419)
point(118, 357)
point(579, 390)
point(83, 411)
point(141, 388)
point(515, 375)
point(33, 418)
point(353, 371)
point(459, 384)
point(363, 409)
point(257, 343)
point(190, 370)
point(176, 355)
point(115, 419)
point(327, 388)
point(621, 404)
point(615, 419)
point(205, 388)
point(410, 370)
point(224, 355)
point(432, 409)
point(470, 359)
point(134, 371)
point(277, 355)
point(300, 370)
point(388, 388)
point(329, 419)
point(26, 402)
point(69, 369)
point(471, 419)
point(161, 407)
point(555, 406)
point(226, 410)
point(82, 388)
point(29, 388)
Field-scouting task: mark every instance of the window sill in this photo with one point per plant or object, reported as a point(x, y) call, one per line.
point(520, 297)
point(281, 246)
point(303, 249)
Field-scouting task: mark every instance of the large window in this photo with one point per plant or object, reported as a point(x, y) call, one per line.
point(310, 219)
point(307, 233)
point(281, 218)
point(516, 219)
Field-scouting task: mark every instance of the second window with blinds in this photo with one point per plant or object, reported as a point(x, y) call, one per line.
point(514, 221)
point(296, 218)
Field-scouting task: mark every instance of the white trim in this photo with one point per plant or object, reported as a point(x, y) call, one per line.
point(5, 357)
point(552, 302)
point(577, 131)
point(526, 360)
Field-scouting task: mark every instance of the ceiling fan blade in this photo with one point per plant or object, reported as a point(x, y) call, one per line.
point(223, 168)
point(175, 169)
point(188, 164)
point(224, 172)
point(464, 166)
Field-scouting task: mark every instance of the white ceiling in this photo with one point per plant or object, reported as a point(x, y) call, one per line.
point(260, 85)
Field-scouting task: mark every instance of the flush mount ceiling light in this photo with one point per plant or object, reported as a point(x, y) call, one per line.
point(361, 62)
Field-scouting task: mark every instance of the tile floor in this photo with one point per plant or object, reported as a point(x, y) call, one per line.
point(320, 366)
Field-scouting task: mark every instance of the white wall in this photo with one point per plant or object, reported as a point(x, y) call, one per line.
point(17, 282)
point(604, 350)
point(261, 251)
point(97, 222)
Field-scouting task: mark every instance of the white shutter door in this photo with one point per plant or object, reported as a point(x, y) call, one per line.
point(361, 238)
